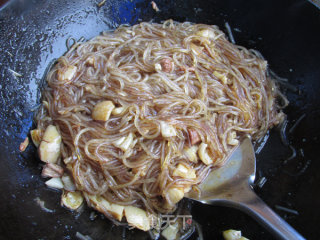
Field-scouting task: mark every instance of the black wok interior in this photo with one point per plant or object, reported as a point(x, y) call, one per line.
point(33, 34)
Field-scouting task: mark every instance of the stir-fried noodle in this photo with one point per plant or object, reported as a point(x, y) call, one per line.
point(180, 96)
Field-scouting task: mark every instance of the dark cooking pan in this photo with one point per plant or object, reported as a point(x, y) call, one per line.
point(34, 33)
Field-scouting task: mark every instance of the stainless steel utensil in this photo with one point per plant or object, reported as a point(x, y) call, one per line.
point(231, 185)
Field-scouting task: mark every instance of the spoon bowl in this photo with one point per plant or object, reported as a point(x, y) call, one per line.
point(231, 185)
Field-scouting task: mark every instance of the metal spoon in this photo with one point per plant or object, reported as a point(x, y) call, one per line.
point(231, 185)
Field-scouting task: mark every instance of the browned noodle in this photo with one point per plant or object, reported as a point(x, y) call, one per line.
point(189, 96)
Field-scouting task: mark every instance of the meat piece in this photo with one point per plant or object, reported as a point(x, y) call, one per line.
point(166, 65)
point(193, 136)
point(52, 170)
point(186, 69)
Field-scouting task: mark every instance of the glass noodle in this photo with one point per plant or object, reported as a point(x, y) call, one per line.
point(188, 76)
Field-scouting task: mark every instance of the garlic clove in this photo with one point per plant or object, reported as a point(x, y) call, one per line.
point(36, 136)
point(102, 205)
point(102, 110)
point(184, 171)
point(170, 232)
point(49, 149)
point(137, 217)
point(231, 234)
point(72, 200)
point(55, 183)
point(124, 143)
point(68, 183)
point(67, 73)
point(191, 153)
point(118, 110)
point(167, 130)
point(203, 154)
point(175, 194)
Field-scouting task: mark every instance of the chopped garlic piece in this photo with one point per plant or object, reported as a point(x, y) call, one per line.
point(203, 154)
point(167, 130)
point(118, 110)
point(207, 33)
point(221, 76)
point(158, 67)
point(124, 143)
point(184, 172)
point(36, 136)
point(68, 183)
point(102, 205)
point(90, 60)
point(49, 149)
point(231, 234)
point(191, 153)
point(54, 183)
point(67, 73)
point(170, 233)
point(72, 200)
point(175, 194)
point(231, 139)
point(137, 217)
point(102, 110)
point(90, 88)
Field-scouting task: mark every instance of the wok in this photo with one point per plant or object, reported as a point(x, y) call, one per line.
point(34, 33)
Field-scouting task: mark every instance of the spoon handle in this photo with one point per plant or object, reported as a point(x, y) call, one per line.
point(251, 204)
